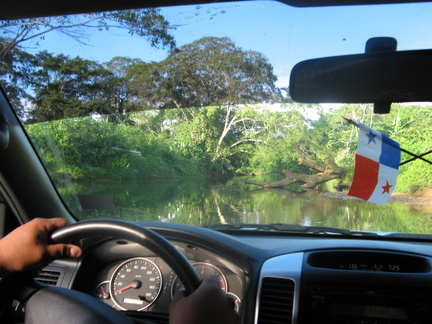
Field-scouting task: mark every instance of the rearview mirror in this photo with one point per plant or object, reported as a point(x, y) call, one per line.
point(385, 77)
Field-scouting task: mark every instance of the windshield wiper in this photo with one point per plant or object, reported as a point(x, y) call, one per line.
point(291, 228)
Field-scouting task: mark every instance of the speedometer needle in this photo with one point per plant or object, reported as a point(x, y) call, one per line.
point(135, 284)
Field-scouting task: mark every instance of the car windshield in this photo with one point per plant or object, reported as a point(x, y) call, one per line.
point(184, 114)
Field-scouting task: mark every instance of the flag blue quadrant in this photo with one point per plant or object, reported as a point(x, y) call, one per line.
point(391, 153)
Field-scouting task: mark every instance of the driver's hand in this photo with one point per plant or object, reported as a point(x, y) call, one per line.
point(27, 246)
point(208, 304)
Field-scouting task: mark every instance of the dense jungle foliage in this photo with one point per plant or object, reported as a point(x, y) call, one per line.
point(163, 144)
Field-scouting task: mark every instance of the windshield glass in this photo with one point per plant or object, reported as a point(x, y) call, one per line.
point(183, 114)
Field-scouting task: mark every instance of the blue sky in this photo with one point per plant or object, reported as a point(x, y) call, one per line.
point(285, 35)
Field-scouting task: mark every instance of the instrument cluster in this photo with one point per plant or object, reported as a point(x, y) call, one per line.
point(148, 283)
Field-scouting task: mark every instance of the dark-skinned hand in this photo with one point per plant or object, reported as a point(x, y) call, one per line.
point(208, 304)
point(28, 247)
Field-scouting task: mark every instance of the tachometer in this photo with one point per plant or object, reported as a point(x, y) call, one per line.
point(136, 284)
point(203, 269)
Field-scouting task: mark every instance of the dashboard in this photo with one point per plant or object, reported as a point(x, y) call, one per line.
point(274, 278)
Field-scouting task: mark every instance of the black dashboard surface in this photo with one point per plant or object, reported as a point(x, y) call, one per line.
point(274, 278)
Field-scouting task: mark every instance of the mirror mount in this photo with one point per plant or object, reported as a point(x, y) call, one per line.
point(375, 45)
point(382, 107)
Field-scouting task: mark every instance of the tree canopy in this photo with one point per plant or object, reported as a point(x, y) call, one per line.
point(211, 71)
point(15, 62)
point(208, 72)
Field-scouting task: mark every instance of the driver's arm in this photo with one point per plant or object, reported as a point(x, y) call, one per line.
point(208, 304)
point(28, 247)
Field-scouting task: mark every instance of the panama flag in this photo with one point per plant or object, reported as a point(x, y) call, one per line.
point(376, 166)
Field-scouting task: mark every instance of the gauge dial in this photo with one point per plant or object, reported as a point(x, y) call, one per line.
point(136, 284)
point(237, 301)
point(102, 291)
point(203, 269)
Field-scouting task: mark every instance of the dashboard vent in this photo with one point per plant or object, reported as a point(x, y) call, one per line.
point(48, 277)
point(276, 301)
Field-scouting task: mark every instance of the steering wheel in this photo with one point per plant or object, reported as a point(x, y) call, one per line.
point(59, 305)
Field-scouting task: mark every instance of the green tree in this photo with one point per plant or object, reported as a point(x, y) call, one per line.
point(66, 87)
point(14, 71)
point(124, 98)
point(282, 131)
point(208, 72)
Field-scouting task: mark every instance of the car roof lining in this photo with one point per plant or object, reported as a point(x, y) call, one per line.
point(30, 8)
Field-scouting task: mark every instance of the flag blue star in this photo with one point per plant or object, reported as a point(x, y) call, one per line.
point(371, 137)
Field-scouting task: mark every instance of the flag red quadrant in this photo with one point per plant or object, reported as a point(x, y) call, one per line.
point(376, 166)
point(365, 177)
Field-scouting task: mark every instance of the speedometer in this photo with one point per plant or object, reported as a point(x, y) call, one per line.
point(136, 284)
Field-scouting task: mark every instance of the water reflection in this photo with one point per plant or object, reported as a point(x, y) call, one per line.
point(233, 202)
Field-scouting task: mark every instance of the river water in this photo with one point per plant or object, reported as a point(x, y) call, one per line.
point(234, 202)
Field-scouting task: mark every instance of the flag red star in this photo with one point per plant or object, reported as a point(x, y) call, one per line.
point(386, 188)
